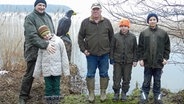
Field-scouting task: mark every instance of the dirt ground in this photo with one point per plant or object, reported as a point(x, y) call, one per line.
point(10, 87)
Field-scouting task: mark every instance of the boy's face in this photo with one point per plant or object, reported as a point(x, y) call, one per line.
point(152, 21)
point(47, 36)
point(124, 29)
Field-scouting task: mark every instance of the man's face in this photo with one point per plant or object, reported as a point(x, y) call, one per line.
point(96, 12)
point(152, 21)
point(40, 7)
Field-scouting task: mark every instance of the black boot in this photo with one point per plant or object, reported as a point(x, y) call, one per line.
point(123, 96)
point(158, 99)
point(116, 96)
point(144, 98)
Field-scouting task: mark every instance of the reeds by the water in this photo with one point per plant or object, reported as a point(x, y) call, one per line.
point(11, 41)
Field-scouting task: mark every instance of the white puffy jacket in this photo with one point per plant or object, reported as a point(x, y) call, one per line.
point(52, 64)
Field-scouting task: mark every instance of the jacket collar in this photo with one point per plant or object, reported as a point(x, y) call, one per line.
point(124, 34)
point(92, 20)
point(156, 27)
point(38, 12)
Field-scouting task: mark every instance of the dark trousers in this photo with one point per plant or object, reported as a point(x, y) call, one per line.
point(148, 73)
point(122, 73)
point(52, 86)
point(27, 80)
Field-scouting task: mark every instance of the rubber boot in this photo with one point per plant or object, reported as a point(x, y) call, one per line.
point(91, 87)
point(103, 86)
point(116, 96)
point(123, 96)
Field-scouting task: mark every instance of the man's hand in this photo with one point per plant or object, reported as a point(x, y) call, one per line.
point(86, 53)
point(164, 62)
point(141, 63)
point(51, 49)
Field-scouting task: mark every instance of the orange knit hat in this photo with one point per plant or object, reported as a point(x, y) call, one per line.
point(124, 22)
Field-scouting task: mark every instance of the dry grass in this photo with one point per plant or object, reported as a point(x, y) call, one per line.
point(10, 86)
point(11, 41)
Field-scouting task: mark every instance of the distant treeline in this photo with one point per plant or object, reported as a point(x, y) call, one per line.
point(29, 8)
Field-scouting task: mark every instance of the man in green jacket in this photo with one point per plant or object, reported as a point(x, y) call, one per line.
point(94, 41)
point(154, 50)
point(32, 43)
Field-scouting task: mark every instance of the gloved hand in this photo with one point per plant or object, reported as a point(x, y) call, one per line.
point(111, 61)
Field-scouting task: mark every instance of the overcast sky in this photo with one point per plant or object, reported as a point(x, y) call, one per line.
point(76, 5)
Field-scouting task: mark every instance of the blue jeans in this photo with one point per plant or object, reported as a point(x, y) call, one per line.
point(100, 62)
point(148, 73)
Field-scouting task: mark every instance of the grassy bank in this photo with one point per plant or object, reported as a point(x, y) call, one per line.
point(168, 98)
point(10, 86)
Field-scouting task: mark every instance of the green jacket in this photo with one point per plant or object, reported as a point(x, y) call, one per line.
point(33, 41)
point(95, 37)
point(124, 48)
point(154, 46)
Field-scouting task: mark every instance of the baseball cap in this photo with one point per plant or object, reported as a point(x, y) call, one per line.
point(96, 5)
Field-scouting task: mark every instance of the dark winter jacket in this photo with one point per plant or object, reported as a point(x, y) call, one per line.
point(32, 39)
point(95, 37)
point(124, 48)
point(154, 46)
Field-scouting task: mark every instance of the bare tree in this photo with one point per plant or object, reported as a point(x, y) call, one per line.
point(170, 13)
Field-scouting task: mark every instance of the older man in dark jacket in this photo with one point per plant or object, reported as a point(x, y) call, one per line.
point(32, 43)
point(154, 50)
point(94, 39)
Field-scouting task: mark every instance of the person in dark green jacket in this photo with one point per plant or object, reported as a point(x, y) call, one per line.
point(154, 50)
point(94, 39)
point(32, 43)
point(123, 56)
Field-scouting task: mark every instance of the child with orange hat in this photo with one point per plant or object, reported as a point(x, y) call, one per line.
point(123, 56)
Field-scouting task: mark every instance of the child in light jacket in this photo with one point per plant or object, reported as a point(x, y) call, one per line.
point(51, 66)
